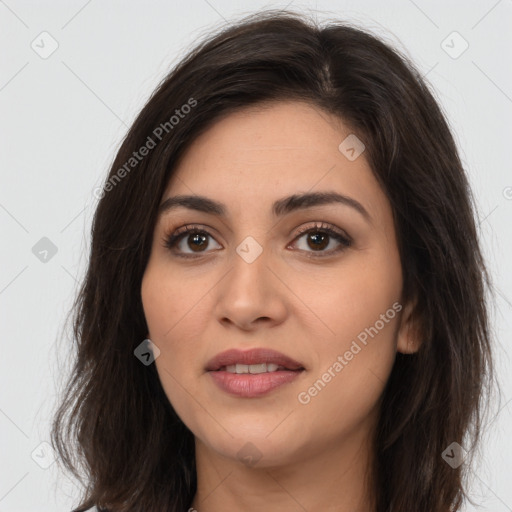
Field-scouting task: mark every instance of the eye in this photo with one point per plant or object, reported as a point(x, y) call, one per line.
point(194, 238)
point(320, 236)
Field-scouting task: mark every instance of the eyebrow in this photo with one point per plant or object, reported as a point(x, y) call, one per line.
point(280, 207)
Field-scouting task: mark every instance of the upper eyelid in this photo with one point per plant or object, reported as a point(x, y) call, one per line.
point(323, 226)
point(320, 225)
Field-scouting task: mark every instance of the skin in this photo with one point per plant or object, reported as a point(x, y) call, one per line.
point(315, 455)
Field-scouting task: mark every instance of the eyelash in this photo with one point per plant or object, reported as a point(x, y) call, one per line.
point(171, 240)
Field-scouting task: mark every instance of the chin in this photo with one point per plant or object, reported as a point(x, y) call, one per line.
point(256, 448)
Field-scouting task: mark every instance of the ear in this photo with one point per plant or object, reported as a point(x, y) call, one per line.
point(409, 337)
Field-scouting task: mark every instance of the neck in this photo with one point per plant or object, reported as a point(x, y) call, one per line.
point(332, 479)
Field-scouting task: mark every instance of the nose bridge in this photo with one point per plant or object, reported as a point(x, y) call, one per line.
point(250, 291)
point(250, 262)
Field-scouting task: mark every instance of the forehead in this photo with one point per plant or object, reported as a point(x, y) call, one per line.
point(254, 156)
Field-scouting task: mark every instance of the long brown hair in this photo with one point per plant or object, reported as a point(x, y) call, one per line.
point(115, 429)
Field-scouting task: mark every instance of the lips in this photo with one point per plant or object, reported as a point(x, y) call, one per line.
point(253, 373)
point(250, 357)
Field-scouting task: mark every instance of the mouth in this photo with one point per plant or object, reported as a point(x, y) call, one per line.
point(252, 373)
point(256, 368)
point(258, 360)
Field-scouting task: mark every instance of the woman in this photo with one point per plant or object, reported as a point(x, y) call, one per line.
point(284, 307)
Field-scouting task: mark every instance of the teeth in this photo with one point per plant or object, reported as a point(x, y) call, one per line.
point(252, 368)
point(256, 368)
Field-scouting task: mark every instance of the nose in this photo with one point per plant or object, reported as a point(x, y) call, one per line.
point(251, 295)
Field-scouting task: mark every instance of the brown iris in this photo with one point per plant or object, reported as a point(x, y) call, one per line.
point(318, 237)
point(197, 240)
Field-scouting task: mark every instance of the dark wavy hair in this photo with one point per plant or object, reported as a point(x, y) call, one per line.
point(114, 427)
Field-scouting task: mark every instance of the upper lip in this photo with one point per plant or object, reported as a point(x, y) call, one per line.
point(253, 356)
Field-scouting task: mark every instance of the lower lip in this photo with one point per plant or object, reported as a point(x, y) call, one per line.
point(251, 385)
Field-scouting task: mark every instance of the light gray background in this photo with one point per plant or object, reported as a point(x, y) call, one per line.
point(63, 117)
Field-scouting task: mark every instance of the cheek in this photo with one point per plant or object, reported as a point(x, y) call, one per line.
point(173, 303)
point(162, 312)
point(175, 312)
point(353, 369)
point(346, 299)
point(360, 310)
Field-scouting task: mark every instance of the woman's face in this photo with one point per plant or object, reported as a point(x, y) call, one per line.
point(253, 277)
